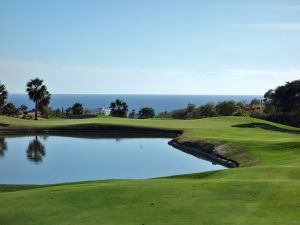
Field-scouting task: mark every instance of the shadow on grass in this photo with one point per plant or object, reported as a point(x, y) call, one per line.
point(193, 175)
point(13, 187)
point(267, 127)
point(291, 146)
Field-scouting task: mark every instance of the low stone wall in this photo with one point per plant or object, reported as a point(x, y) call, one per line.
point(205, 151)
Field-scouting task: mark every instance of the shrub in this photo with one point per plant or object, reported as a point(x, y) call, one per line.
point(10, 109)
point(226, 108)
point(146, 113)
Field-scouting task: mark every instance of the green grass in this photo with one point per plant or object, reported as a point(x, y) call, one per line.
point(264, 190)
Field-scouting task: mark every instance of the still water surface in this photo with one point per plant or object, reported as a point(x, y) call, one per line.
point(56, 159)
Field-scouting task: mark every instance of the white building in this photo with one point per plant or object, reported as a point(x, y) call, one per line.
point(98, 111)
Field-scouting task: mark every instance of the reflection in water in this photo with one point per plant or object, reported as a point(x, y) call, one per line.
point(92, 157)
point(35, 151)
point(118, 140)
point(3, 146)
point(44, 137)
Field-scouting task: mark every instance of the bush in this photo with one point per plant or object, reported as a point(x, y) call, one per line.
point(133, 114)
point(284, 118)
point(178, 114)
point(77, 109)
point(146, 113)
point(10, 109)
point(208, 110)
point(164, 114)
point(226, 108)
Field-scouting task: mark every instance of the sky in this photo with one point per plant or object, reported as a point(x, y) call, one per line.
point(150, 46)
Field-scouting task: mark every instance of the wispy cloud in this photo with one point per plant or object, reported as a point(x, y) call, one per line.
point(268, 74)
point(281, 7)
point(275, 26)
point(277, 7)
point(269, 26)
point(76, 79)
point(81, 79)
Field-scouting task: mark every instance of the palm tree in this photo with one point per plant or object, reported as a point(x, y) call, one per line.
point(77, 109)
point(3, 95)
point(3, 146)
point(35, 151)
point(119, 108)
point(125, 109)
point(38, 93)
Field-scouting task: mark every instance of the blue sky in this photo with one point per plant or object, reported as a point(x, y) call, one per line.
point(150, 46)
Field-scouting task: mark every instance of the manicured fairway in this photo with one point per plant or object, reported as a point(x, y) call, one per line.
point(264, 190)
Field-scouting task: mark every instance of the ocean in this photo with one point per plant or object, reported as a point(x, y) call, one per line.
point(159, 102)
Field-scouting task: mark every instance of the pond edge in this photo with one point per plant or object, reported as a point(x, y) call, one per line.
point(204, 150)
point(200, 149)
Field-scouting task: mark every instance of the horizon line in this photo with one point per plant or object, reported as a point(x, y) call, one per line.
point(146, 94)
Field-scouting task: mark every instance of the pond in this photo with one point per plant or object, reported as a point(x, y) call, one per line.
point(57, 159)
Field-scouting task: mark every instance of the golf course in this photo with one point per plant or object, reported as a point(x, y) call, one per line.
point(263, 189)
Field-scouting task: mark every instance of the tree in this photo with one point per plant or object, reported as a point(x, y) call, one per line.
point(68, 111)
point(207, 110)
point(191, 112)
point(255, 101)
point(77, 109)
point(178, 114)
point(119, 108)
point(226, 108)
point(38, 93)
point(46, 111)
point(23, 108)
point(35, 151)
point(146, 113)
point(164, 114)
point(43, 106)
point(3, 95)
point(286, 98)
point(132, 114)
point(282, 105)
point(190, 108)
point(9, 109)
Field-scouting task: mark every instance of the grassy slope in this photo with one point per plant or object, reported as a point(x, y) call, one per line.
point(265, 193)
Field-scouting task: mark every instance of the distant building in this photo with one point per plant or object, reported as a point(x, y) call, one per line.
point(104, 111)
point(255, 107)
point(98, 111)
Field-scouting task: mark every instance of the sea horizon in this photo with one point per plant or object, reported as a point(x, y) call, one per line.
point(145, 94)
point(160, 103)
